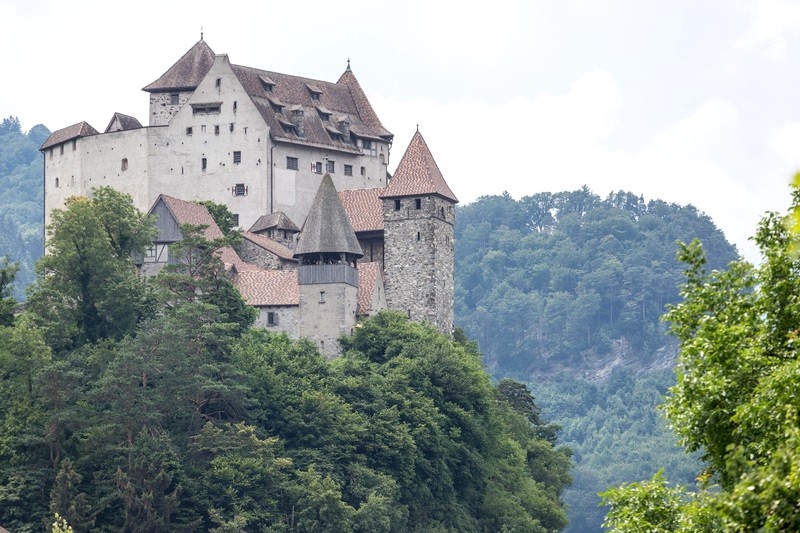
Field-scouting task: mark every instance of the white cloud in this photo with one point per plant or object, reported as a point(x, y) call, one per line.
point(771, 23)
point(555, 142)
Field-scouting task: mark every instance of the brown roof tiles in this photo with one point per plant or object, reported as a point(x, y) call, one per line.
point(364, 208)
point(418, 174)
point(277, 220)
point(187, 72)
point(261, 287)
point(81, 129)
point(293, 92)
point(191, 213)
point(272, 246)
point(126, 122)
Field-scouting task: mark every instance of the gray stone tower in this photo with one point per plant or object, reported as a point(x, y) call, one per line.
point(327, 275)
point(419, 215)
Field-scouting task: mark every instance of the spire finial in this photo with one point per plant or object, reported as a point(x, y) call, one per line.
point(348, 65)
point(201, 33)
point(417, 128)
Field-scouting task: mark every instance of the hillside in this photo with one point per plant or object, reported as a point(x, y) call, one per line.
point(21, 196)
point(566, 291)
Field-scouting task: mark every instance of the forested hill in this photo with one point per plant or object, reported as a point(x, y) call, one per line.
point(21, 196)
point(559, 280)
point(565, 291)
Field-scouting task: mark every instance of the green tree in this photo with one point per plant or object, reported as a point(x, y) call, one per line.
point(736, 394)
point(8, 272)
point(222, 216)
point(88, 288)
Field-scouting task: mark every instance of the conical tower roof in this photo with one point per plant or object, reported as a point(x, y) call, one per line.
point(187, 72)
point(327, 228)
point(418, 174)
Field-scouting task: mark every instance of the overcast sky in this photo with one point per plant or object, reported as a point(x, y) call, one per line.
point(688, 101)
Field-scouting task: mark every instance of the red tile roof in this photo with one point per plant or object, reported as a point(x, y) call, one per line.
point(364, 208)
point(274, 247)
point(81, 129)
point(187, 72)
point(261, 287)
point(191, 213)
point(368, 275)
point(418, 174)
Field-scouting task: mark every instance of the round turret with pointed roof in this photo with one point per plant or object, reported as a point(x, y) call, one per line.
point(327, 235)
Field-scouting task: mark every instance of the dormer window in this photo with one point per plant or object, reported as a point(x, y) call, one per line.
point(277, 108)
point(267, 83)
point(315, 93)
point(287, 128)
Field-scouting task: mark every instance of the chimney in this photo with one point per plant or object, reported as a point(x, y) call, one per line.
point(344, 127)
point(297, 116)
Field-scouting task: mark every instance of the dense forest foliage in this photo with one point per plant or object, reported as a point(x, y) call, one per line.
point(137, 404)
point(735, 399)
point(566, 291)
point(21, 197)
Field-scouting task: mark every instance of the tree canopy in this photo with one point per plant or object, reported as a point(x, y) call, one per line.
point(735, 399)
point(152, 405)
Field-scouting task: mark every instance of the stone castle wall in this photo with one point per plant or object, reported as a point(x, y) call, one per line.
point(419, 259)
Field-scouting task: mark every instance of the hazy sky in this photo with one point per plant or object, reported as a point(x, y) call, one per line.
point(688, 101)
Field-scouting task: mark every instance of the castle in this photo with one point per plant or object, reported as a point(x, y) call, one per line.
point(328, 234)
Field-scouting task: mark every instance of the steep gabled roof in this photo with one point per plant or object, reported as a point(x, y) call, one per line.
point(418, 174)
point(190, 213)
point(120, 122)
point(268, 89)
point(327, 228)
point(270, 245)
point(261, 287)
point(187, 72)
point(81, 129)
point(365, 111)
point(364, 208)
point(277, 220)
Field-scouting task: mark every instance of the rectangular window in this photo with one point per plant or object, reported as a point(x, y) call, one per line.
point(291, 163)
point(397, 205)
point(236, 219)
point(189, 130)
point(231, 126)
point(235, 106)
point(219, 83)
point(237, 157)
point(74, 144)
point(330, 167)
point(203, 128)
point(205, 163)
point(417, 203)
point(240, 189)
point(206, 109)
point(348, 170)
point(363, 171)
point(173, 98)
point(62, 150)
point(316, 167)
point(216, 129)
point(272, 318)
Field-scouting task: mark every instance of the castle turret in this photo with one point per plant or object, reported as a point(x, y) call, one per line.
point(419, 215)
point(327, 250)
